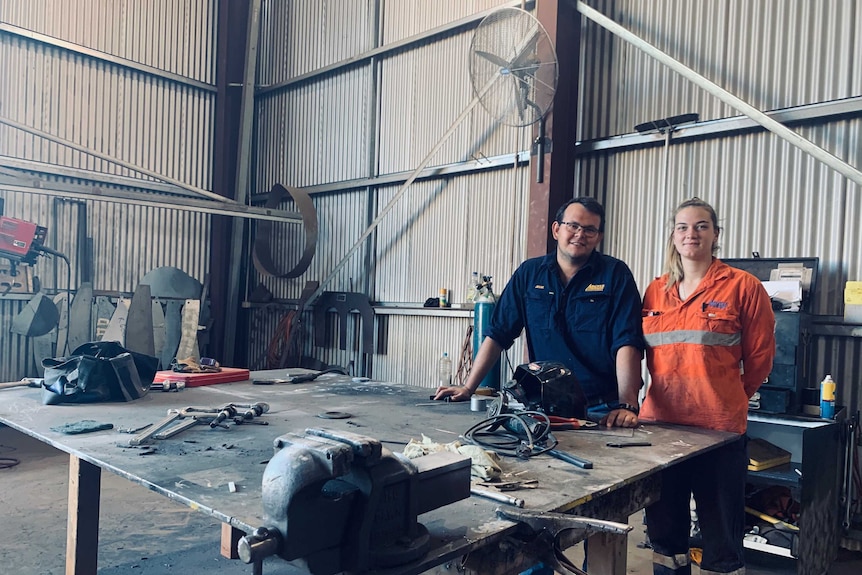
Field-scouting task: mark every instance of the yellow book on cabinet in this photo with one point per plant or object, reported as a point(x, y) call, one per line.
point(763, 455)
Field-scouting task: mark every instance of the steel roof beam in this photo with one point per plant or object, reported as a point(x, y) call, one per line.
point(805, 114)
point(13, 30)
point(702, 82)
point(86, 192)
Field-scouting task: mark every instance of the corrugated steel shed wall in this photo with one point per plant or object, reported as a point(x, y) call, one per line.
point(377, 117)
point(770, 196)
point(126, 80)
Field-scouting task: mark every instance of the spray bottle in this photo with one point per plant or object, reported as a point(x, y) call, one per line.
point(827, 398)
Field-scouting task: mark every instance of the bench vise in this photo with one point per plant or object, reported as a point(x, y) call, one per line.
point(335, 501)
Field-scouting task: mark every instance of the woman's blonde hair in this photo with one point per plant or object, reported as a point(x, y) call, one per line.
point(673, 261)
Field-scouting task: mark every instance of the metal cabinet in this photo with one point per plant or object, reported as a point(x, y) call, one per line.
point(813, 476)
point(782, 392)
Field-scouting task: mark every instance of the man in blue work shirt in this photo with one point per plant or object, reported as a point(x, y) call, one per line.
point(578, 307)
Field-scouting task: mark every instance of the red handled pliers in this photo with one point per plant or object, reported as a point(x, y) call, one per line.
point(565, 423)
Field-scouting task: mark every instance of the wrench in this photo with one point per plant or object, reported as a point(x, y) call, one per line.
point(173, 415)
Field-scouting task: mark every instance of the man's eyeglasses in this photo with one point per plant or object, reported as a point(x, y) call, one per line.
point(575, 227)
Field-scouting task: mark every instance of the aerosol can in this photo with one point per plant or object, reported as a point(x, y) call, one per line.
point(827, 397)
point(483, 309)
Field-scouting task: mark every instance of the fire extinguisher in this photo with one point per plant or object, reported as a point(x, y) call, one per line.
point(483, 309)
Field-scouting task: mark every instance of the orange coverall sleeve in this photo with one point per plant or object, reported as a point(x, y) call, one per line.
point(758, 338)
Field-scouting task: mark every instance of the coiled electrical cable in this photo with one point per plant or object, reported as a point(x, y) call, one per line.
point(522, 434)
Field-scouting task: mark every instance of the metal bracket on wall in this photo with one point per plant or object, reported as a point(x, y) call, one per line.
point(343, 303)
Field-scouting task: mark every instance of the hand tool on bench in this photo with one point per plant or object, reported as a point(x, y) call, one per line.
point(566, 423)
point(497, 496)
point(569, 458)
point(231, 410)
point(161, 430)
point(168, 386)
point(301, 378)
point(177, 429)
point(145, 435)
point(251, 413)
point(214, 416)
point(26, 382)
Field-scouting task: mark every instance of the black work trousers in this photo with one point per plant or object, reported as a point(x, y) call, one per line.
point(717, 481)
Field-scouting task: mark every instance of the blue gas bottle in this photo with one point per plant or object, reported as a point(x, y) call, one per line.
point(483, 309)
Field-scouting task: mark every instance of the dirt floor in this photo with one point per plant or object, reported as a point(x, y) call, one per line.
point(143, 533)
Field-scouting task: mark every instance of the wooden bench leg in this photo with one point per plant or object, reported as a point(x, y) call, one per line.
point(82, 527)
point(607, 554)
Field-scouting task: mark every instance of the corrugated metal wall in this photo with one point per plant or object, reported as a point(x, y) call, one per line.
point(771, 197)
point(132, 81)
point(377, 117)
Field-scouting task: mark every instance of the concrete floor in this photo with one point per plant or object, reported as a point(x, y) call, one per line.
point(143, 533)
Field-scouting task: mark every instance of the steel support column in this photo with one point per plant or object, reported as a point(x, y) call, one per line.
point(231, 44)
point(562, 23)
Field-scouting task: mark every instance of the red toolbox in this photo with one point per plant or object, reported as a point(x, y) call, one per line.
point(226, 375)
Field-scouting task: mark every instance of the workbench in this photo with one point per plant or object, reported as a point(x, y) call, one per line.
point(197, 467)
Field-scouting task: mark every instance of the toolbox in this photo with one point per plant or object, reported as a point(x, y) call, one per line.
point(226, 375)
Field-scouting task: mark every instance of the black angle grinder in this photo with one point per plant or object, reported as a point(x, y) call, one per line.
point(546, 386)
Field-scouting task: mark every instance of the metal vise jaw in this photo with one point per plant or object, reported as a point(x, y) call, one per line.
point(335, 501)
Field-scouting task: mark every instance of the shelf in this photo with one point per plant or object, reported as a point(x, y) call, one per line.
point(418, 310)
point(834, 325)
point(389, 309)
point(795, 420)
point(767, 548)
point(788, 475)
point(815, 450)
point(17, 296)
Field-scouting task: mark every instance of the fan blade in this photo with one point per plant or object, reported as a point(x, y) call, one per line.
point(527, 69)
point(526, 52)
point(493, 58)
point(511, 46)
point(519, 100)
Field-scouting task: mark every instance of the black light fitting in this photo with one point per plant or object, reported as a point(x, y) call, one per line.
point(666, 124)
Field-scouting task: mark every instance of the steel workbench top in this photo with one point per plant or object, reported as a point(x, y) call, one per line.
point(195, 467)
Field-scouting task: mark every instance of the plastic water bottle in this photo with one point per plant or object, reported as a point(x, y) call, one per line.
point(444, 370)
point(827, 398)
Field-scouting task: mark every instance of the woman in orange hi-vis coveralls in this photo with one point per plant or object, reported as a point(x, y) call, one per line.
point(710, 335)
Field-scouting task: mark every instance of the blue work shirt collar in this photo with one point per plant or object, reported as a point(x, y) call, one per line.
point(592, 266)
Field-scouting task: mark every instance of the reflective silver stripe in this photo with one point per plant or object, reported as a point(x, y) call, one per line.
point(693, 336)
point(740, 571)
point(674, 562)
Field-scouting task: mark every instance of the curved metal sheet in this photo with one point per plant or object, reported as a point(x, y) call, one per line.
point(169, 282)
point(262, 255)
point(39, 317)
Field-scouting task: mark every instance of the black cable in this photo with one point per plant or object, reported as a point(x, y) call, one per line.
point(524, 434)
point(56, 254)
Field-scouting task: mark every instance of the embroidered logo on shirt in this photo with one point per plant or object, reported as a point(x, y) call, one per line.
point(595, 287)
point(717, 304)
point(538, 286)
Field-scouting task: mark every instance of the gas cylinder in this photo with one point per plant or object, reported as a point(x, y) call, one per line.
point(483, 308)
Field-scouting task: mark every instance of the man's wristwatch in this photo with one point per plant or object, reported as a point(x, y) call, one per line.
point(629, 407)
